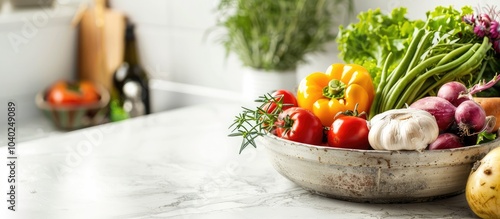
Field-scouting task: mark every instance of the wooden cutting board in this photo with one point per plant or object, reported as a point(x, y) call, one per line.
point(100, 43)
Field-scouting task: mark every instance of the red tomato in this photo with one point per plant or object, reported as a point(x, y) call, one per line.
point(349, 132)
point(300, 125)
point(285, 97)
point(72, 93)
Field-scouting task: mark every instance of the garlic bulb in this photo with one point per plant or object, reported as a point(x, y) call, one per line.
point(402, 129)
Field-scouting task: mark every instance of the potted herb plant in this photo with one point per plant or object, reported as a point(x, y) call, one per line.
point(271, 38)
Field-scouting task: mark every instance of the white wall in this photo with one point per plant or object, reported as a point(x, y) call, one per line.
point(37, 47)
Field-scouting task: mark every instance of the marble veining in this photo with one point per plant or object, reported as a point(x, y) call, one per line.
point(176, 164)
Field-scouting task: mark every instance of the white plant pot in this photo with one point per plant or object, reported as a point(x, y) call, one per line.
point(257, 82)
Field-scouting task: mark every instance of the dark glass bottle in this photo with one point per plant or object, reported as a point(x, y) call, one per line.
point(131, 81)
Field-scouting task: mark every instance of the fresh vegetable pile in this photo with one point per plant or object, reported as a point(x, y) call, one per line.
point(419, 54)
point(411, 86)
point(433, 58)
point(461, 121)
point(324, 112)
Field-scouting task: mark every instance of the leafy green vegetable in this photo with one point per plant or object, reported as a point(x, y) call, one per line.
point(444, 50)
point(369, 41)
point(448, 19)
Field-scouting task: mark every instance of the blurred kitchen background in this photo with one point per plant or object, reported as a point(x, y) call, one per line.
point(177, 45)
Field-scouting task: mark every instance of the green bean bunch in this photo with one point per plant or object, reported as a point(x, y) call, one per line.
point(429, 62)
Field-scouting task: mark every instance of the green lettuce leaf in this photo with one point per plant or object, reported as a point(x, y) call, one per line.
point(369, 41)
point(375, 35)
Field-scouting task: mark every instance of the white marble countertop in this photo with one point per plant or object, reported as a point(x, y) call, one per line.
point(175, 164)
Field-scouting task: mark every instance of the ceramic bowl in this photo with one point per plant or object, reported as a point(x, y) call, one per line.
point(78, 116)
point(375, 176)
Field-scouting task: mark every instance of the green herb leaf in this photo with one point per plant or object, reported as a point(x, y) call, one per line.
point(252, 123)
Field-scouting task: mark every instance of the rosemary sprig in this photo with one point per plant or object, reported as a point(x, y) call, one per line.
point(252, 123)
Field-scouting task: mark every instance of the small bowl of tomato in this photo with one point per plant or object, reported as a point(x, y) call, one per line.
point(74, 104)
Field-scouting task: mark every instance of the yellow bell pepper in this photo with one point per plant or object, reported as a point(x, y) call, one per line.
point(339, 89)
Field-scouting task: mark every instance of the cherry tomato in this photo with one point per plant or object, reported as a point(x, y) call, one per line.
point(286, 97)
point(349, 132)
point(72, 93)
point(300, 125)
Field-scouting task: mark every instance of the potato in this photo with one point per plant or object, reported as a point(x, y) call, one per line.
point(483, 186)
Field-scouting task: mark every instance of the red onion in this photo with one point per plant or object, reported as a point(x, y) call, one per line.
point(441, 109)
point(470, 117)
point(446, 141)
point(454, 92)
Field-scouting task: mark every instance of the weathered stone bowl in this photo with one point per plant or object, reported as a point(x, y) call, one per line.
point(375, 176)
